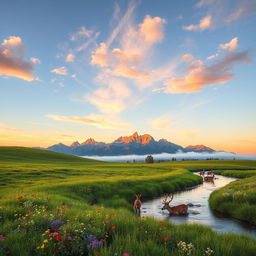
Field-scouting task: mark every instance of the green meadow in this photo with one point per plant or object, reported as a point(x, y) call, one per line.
point(57, 204)
point(237, 199)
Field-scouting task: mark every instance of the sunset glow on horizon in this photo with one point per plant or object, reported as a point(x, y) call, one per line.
point(179, 70)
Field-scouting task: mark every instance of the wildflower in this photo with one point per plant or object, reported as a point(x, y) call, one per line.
point(54, 234)
point(1, 237)
point(56, 249)
point(42, 246)
point(45, 241)
point(107, 221)
point(57, 223)
point(113, 227)
point(166, 238)
point(126, 254)
point(58, 238)
point(208, 252)
point(95, 244)
point(69, 238)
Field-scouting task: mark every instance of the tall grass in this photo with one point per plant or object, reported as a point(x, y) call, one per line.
point(237, 199)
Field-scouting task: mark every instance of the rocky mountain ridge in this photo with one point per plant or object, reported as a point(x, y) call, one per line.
point(126, 145)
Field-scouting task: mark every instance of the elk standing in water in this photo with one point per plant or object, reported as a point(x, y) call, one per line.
point(137, 204)
point(181, 209)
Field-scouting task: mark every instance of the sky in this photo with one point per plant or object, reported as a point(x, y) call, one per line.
point(180, 70)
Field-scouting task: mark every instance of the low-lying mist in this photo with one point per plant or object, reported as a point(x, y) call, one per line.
point(178, 156)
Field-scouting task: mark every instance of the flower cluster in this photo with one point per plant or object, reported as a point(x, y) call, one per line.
point(184, 248)
point(209, 252)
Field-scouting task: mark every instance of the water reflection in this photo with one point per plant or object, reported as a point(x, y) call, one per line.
point(200, 212)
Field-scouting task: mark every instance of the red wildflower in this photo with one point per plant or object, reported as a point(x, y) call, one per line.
point(113, 227)
point(166, 238)
point(58, 238)
point(177, 241)
point(56, 249)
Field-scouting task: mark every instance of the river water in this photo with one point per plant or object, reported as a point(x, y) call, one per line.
point(200, 213)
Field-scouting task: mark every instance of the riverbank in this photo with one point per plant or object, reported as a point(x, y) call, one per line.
point(63, 205)
point(237, 199)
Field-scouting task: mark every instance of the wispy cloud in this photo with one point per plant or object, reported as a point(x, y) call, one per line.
point(82, 32)
point(161, 123)
point(60, 71)
point(12, 61)
point(111, 97)
point(230, 46)
point(35, 60)
point(70, 57)
point(99, 121)
point(205, 23)
point(198, 75)
point(135, 43)
point(227, 12)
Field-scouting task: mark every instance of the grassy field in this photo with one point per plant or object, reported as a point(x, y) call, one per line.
point(237, 199)
point(56, 204)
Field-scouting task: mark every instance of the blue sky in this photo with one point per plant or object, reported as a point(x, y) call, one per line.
point(180, 70)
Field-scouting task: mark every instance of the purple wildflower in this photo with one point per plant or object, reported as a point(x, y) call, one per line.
point(57, 224)
point(95, 244)
point(69, 238)
point(1, 237)
point(89, 238)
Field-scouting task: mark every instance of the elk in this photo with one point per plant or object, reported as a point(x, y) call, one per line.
point(209, 178)
point(137, 204)
point(201, 173)
point(181, 209)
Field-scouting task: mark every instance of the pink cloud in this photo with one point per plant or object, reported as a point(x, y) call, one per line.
point(230, 46)
point(135, 44)
point(60, 71)
point(99, 121)
point(11, 59)
point(111, 98)
point(153, 29)
point(198, 75)
point(204, 23)
point(70, 57)
point(35, 60)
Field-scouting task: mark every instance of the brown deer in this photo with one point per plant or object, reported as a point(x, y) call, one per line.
point(181, 209)
point(137, 204)
point(209, 178)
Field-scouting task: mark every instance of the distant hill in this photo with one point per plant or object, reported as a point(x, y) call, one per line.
point(125, 145)
point(32, 155)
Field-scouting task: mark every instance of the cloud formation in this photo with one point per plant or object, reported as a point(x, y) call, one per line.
point(230, 46)
point(60, 71)
point(12, 61)
point(70, 57)
point(135, 44)
point(35, 60)
point(160, 123)
point(198, 75)
point(205, 23)
point(82, 32)
point(99, 121)
point(110, 98)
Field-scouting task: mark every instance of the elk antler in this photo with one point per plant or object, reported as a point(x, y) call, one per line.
point(165, 198)
point(171, 198)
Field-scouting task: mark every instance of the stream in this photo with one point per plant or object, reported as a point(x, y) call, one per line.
point(200, 212)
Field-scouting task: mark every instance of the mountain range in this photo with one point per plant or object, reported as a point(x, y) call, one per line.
point(125, 145)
